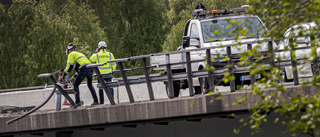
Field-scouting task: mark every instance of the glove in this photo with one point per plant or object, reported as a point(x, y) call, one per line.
point(64, 75)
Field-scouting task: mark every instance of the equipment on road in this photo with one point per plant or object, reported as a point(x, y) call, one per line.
point(68, 85)
point(65, 83)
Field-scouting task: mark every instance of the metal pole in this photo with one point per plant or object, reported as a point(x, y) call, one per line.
point(210, 75)
point(126, 83)
point(169, 76)
point(146, 73)
point(230, 69)
point(252, 77)
point(189, 72)
point(58, 102)
point(315, 60)
point(294, 63)
point(271, 57)
point(104, 85)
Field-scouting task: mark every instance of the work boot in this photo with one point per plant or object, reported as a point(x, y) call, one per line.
point(94, 103)
point(80, 103)
point(74, 107)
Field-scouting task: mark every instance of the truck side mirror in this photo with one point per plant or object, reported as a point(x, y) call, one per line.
point(185, 41)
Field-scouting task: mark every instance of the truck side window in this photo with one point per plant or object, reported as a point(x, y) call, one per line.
point(302, 39)
point(194, 35)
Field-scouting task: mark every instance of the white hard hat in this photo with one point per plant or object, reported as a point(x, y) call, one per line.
point(102, 44)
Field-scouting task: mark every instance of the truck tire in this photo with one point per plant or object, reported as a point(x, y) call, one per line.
point(197, 90)
point(176, 89)
point(204, 85)
point(284, 77)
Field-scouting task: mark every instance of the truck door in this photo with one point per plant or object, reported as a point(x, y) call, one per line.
point(194, 43)
point(194, 35)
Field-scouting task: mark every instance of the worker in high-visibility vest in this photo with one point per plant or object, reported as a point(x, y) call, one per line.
point(78, 61)
point(101, 55)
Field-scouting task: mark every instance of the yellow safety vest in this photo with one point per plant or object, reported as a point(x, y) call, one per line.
point(102, 57)
point(77, 60)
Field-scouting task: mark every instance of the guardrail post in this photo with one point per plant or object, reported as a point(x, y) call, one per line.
point(126, 83)
point(294, 63)
point(104, 85)
point(189, 72)
point(146, 73)
point(210, 75)
point(230, 69)
point(169, 76)
point(64, 93)
point(315, 60)
point(271, 57)
point(252, 77)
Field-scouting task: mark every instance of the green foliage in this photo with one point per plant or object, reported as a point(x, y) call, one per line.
point(14, 42)
point(278, 16)
point(35, 36)
point(132, 27)
point(298, 111)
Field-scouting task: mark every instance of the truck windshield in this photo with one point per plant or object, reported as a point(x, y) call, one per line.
point(228, 29)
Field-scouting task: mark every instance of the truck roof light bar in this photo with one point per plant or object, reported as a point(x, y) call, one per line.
point(201, 12)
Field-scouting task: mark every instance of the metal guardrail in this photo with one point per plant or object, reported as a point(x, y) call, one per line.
point(189, 74)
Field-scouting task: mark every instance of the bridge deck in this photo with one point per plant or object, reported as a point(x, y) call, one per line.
point(130, 114)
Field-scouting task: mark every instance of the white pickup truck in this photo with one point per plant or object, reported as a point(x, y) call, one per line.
point(202, 32)
point(305, 70)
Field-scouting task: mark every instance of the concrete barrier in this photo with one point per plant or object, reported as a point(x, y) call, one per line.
point(36, 97)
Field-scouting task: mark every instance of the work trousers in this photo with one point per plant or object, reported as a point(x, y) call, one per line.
point(86, 73)
point(101, 97)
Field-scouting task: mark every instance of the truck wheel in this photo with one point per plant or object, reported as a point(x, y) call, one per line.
point(284, 77)
point(204, 85)
point(176, 88)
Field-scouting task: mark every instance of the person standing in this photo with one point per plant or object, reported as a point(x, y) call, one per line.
point(78, 61)
point(101, 55)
